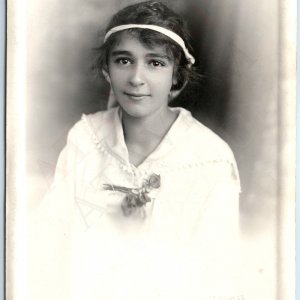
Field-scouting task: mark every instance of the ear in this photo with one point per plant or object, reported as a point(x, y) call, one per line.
point(174, 79)
point(174, 93)
point(106, 75)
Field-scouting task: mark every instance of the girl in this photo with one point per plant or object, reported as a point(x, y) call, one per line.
point(144, 203)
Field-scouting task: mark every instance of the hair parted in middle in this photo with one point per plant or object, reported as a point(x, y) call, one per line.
point(150, 13)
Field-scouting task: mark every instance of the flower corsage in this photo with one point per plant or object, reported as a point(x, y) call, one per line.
point(135, 198)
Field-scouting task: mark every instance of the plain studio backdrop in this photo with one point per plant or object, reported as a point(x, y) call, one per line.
point(236, 47)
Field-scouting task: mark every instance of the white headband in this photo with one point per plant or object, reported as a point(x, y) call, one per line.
point(172, 35)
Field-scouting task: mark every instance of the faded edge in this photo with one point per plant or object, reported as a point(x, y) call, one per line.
point(286, 149)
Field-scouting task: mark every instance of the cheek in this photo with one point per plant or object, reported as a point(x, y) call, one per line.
point(117, 79)
point(165, 83)
point(163, 77)
point(115, 74)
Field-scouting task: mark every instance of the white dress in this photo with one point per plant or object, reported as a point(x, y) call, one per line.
point(180, 245)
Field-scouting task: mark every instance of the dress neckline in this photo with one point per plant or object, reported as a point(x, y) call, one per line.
point(107, 129)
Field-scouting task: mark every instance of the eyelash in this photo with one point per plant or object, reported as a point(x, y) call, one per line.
point(161, 64)
point(152, 62)
point(119, 60)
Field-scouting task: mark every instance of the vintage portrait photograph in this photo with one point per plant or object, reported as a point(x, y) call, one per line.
point(150, 150)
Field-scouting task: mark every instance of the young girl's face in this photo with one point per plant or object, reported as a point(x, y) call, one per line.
point(141, 77)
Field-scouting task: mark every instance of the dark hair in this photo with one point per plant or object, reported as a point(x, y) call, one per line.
point(150, 13)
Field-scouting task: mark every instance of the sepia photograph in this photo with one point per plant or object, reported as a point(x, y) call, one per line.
point(151, 150)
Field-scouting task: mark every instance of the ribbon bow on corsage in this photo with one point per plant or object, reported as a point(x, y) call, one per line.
point(135, 197)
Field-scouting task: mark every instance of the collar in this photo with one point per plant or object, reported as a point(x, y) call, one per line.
point(107, 129)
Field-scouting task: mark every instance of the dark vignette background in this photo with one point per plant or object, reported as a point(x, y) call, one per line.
point(236, 43)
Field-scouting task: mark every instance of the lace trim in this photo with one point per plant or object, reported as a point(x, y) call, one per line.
point(103, 148)
point(158, 165)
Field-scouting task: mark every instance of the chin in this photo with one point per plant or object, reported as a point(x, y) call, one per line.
point(135, 110)
point(135, 113)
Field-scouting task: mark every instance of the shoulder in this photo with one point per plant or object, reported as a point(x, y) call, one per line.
point(85, 130)
point(99, 118)
point(204, 144)
point(203, 147)
point(94, 120)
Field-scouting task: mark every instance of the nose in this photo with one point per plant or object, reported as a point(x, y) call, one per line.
point(137, 75)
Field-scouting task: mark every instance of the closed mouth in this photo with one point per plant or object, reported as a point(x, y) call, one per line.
point(136, 95)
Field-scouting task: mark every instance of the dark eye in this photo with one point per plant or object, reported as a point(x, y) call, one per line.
point(123, 61)
point(157, 63)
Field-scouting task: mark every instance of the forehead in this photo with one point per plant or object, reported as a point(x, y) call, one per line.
point(131, 43)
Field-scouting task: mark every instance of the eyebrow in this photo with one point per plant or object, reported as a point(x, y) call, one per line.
point(153, 55)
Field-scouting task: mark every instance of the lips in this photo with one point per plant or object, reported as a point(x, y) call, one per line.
point(136, 96)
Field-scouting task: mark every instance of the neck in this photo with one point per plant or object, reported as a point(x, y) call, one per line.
point(143, 135)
